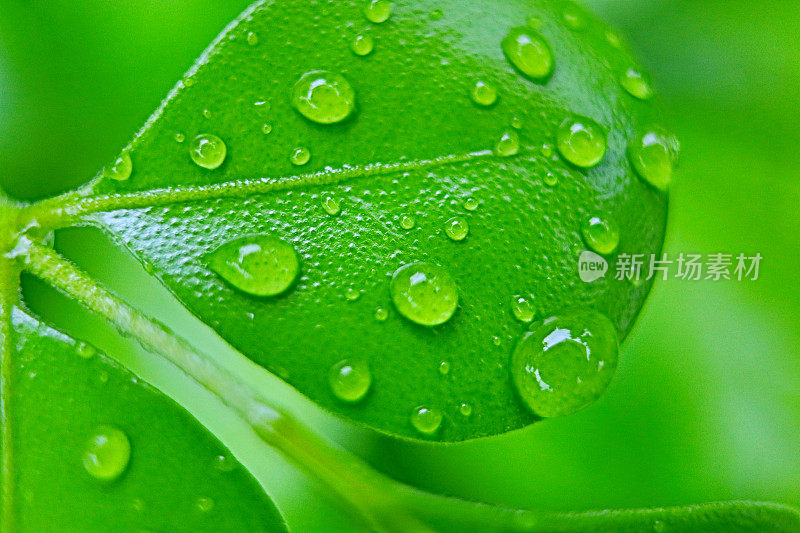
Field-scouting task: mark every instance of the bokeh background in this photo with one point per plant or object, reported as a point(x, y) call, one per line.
point(706, 402)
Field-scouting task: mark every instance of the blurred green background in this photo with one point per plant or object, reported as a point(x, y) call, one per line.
point(706, 402)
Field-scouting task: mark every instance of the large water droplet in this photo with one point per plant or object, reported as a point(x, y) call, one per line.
point(260, 265)
point(362, 45)
point(426, 420)
point(300, 156)
point(637, 84)
point(508, 144)
point(653, 156)
point(471, 204)
point(324, 97)
point(208, 151)
point(377, 11)
point(121, 169)
point(350, 380)
point(107, 453)
point(456, 228)
point(529, 52)
point(566, 363)
point(523, 308)
point(424, 293)
point(483, 93)
point(581, 141)
point(601, 235)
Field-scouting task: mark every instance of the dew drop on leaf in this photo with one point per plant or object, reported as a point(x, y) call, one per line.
point(653, 156)
point(180, 137)
point(350, 380)
point(600, 234)
point(352, 294)
point(516, 123)
point(300, 156)
point(444, 368)
point(508, 144)
point(331, 205)
point(207, 113)
point(381, 314)
point(637, 84)
point(483, 93)
point(566, 363)
point(323, 97)
point(581, 141)
point(529, 52)
point(204, 504)
point(456, 229)
point(224, 463)
point(522, 308)
point(208, 151)
point(261, 265)
point(362, 45)
point(407, 222)
point(252, 38)
point(424, 293)
point(107, 453)
point(471, 204)
point(85, 350)
point(377, 11)
point(426, 420)
point(121, 169)
point(573, 18)
point(266, 128)
point(465, 409)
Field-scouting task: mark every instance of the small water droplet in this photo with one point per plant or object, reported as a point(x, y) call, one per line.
point(516, 123)
point(444, 368)
point(581, 141)
point(483, 93)
point(263, 105)
point(323, 97)
point(207, 113)
point(377, 11)
point(252, 38)
point(523, 308)
point(121, 169)
point(189, 81)
point(352, 294)
point(426, 420)
point(362, 45)
point(534, 22)
point(529, 52)
point(456, 228)
point(471, 204)
point(85, 350)
point(613, 39)
point(436, 14)
point(637, 84)
point(573, 18)
point(107, 453)
point(204, 504)
point(260, 265)
point(224, 463)
point(331, 205)
point(381, 314)
point(300, 156)
point(550, 179)
point(266, 128)
point(659, 526)
point(497, 341)
point(600, 234)
point(653, 155)
point(547, 150)
point(508, 144)
point(407, 222)
point(566, 363)
point(424, 293)
point(208, 151)
point(465, 409)
point(350, 380)
point(180, 137)
point(137, 504)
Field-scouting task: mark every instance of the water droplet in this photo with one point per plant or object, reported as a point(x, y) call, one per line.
point(465, 409)
point(352, 294)
point(529, 52)
point(208, 151)
point(224, 463)
point(471, 204)
point(426, 420)
point(566, 363)
point(324, 97)
point(362, 45)
point(107, 453)
point(497, 341)
point(483, 93)
point(508, 144)
point(523, 308)
point(350, 380)
point(300, 156)
point(653, 156)
point(424, 293)
point(85, 350)
point(331, 205)
point(581, 141)
point(547, 150)
point(659, 526)
point(180, 137)
point(137, 504)
point(381, 314)
point(252, 38)
point(266, 128)
point(121, 169)
point(207, 113)
point(263, 105)
point(516, 123)
point(377, 11)
point(534, 22)
point(601, 235)
point(613, 39)
point(407, 222)
point(456, 228)
point(573, 18)
point(444, 368)
point(550, 179)
point(204, 504)
point(189, 81)
point(260, 265)
point(637, 84)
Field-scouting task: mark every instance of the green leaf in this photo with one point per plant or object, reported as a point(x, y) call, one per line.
point(57, 396)
point(414, 145)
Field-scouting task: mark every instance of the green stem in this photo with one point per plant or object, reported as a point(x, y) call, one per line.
point(381, 503)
